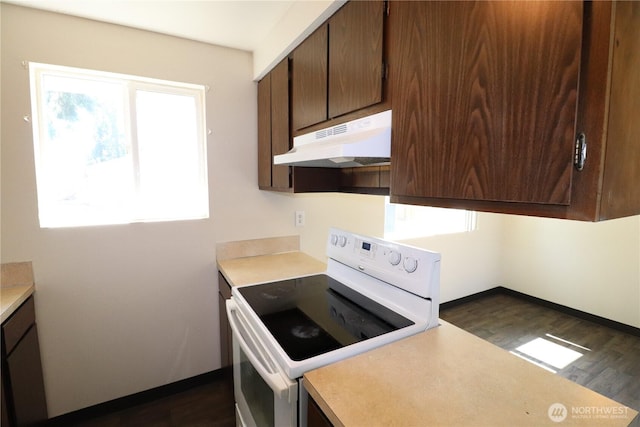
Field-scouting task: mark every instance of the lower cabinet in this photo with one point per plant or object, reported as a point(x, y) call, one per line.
point(3, 410)
point(23, 396)
point(315, 416)
point(224, 293)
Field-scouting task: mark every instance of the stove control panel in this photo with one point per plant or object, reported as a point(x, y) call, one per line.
point(368, 249)
point(388, 261)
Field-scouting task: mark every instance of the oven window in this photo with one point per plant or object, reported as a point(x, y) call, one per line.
point(256, 392)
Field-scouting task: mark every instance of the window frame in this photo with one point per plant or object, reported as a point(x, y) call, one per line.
point(470, 222)
point(131, 85)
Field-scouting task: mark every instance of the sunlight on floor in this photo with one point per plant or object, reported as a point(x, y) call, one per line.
point(548, 354)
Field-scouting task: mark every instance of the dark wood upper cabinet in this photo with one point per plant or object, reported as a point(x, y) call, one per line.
point(339, 68)
point(489, 98)
point(619, 194)
point(264, 132)
point(280, 124)
point(274, 136)
point(309, 80)
point(355, 57)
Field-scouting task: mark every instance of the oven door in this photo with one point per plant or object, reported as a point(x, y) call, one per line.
point(264, 395)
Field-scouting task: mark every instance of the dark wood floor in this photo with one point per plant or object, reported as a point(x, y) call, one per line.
point(207, 405)
point(610, 361)
point(609, 365)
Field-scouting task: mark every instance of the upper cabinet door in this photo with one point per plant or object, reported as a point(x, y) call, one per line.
point(274, 136)
point(309, 80)
point(264, 132)
point(338, 69)
point(355, 57)
point(280, 132)
point(486, 99)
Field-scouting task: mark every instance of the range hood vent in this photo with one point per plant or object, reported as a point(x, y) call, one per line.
point(362, 142)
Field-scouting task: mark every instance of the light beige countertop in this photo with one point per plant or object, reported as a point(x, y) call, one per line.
point(449, 377)
point(16, 285)
point(269, 268)
point(265, 260)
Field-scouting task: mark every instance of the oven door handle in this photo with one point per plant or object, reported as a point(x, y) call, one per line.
point(280, 385)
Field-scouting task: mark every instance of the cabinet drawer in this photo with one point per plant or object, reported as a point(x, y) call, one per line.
point(17, 325)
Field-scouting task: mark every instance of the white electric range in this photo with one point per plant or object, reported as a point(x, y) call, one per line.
point(374, 292)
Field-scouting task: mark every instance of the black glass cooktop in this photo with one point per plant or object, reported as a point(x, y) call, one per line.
point(313, 315)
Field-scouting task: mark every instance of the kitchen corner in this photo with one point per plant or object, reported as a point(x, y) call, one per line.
point(264, 260)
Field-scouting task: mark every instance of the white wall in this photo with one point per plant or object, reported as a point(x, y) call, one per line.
point(471, 262)
point(593, 267)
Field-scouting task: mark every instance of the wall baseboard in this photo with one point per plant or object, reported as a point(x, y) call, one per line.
point(471, 298)
point(140, 398)
point(622, 327)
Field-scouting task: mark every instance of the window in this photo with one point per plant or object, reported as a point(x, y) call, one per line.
point(409, 222)
point(112, 148)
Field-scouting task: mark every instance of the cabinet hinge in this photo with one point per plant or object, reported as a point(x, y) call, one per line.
point(386, 7)
point(385, 70)
point(580, 153)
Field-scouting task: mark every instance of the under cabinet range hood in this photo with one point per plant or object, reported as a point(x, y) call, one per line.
point(362, 142)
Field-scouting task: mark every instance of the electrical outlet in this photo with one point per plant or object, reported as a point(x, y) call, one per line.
point(299, 218)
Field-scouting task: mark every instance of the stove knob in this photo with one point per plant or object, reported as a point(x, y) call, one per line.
point(342, 241)
point(394, 257)
point(410, 264)
point(334, 239)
